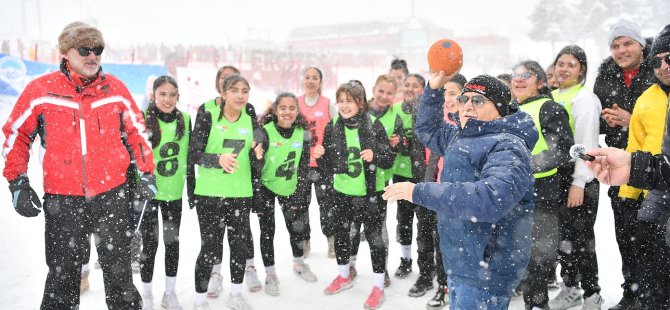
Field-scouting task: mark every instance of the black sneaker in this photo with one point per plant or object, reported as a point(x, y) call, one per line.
point(440, 299)
point(423, 284)
point(404, 269)
point(627, 303)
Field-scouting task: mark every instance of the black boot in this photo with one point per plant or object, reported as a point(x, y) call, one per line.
point(627, 303)
point(404, 269)
point(440, 300)
point(423, 284)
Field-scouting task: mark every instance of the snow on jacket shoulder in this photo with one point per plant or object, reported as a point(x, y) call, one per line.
point(485, 199)
point(89, 134)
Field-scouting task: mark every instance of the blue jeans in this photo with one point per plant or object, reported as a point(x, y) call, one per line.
point(466, 297)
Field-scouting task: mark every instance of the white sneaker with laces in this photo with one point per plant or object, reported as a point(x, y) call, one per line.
point(272, 285)
point(303, 271)
point(251, 278)
point(170, 302)
point(568, 297)
point(214, 287)
point(593, 302)
point(238, 303)
point(147, 302)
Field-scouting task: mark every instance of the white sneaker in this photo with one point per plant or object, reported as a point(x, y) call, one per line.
point(147, 302)
point(593, 302)
point(568, 297)
point(170, 301)
point(303, 271)
point(272, 285)
point(251, 278)
point(214, 287)
point(204, 306)
point(238, 303)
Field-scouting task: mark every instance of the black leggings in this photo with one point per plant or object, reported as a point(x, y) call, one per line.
point(323, 188)
point(296, 219)
point(171, 215)
point(69, 222)
point(215, 216)
point(577, 248)
point(367, 210)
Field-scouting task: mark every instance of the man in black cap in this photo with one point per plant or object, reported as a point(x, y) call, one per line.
point(621, 79)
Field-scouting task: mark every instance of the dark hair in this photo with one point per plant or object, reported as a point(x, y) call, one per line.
point(578, 53)
point(355, 89)
point(151, 117)
point(317, 71)
point(535, 68)
point(399, 64)
point(220, 72)
point(417, 76)
point(228, 82)
point(459, 79)
point(270, 116)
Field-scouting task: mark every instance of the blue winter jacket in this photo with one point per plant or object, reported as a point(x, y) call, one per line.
point(484, 202)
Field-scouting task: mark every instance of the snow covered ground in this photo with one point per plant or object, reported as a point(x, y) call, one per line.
point(23, 270)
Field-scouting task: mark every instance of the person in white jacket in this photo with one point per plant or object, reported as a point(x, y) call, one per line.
point(577, 249)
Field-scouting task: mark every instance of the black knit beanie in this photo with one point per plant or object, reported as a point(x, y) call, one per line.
point(662, 42)
point(492, 88)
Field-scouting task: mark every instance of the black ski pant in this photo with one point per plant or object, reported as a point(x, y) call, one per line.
point(369, 211)
point(69, 221)
point(171, 215)
point(215, 216)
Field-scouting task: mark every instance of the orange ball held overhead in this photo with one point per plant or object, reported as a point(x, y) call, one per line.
point(445, 55)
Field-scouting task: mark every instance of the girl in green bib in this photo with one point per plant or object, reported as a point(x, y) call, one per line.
point(169, 130)
point(354, 146)
point(286, 144)
point(222, 150)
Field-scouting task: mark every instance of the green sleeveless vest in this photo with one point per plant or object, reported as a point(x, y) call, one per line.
point(402, 165)
point(226, 137)
point(565, 99)
point(533, 108)
point(351, 183)
point(279, 173)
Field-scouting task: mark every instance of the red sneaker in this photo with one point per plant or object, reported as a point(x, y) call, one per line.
point(375, 299)
point(338, 285)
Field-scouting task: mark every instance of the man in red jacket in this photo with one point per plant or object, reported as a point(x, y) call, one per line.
point(90, 131)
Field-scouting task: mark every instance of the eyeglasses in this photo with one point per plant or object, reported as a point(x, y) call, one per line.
point(477, 100)
point(85, 51)
point(656, 61)
point(522, 76)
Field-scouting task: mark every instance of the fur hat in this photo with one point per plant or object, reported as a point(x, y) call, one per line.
point(491, 88)
point(78, 34)
point(625, 28)
point(662, 42)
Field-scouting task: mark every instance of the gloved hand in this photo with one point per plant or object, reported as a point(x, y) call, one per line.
point(24, 198)
point(146, 189)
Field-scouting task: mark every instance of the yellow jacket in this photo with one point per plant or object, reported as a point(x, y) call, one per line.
point(646, 129)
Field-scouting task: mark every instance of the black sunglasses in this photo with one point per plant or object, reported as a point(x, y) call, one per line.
point(477, 100)
point(656, 61)
point(85, 51)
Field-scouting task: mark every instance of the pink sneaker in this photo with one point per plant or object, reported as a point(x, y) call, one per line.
point(375, 299)
point(338, 285)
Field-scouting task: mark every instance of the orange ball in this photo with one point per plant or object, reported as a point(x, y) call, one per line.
point(445, 55)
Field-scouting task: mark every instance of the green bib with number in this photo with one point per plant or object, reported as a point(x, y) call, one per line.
point(279, 173)
point(227, 138)
point(351, 183)
point(170, 156)
point(402, 165)
point(383, 176)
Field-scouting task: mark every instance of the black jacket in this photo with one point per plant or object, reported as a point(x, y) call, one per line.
point(610, 89)
point(557, 133)
point(372, 136)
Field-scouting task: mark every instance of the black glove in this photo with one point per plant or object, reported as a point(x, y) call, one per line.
point(24, 198)
point(146, 189)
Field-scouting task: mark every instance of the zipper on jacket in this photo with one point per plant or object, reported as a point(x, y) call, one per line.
point(82, 135)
